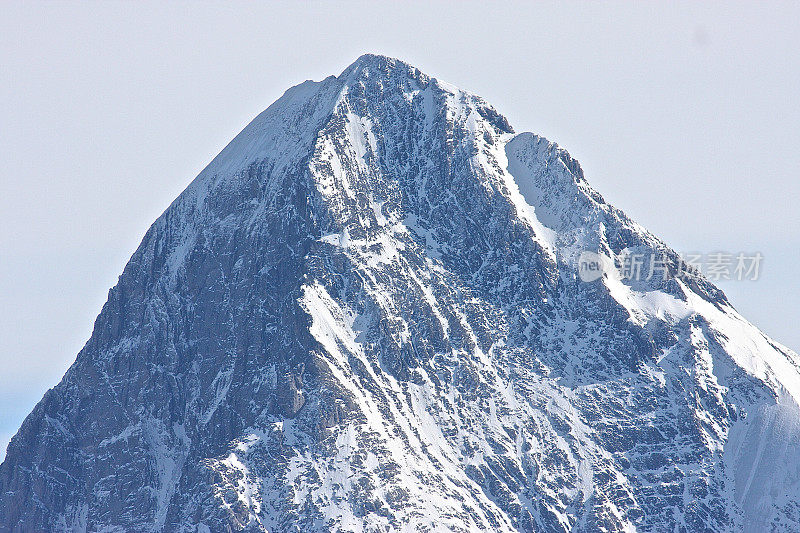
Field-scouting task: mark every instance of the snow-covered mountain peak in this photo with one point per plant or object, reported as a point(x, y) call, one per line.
point(367, 314)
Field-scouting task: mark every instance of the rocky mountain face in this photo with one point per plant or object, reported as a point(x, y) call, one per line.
point(366, 314)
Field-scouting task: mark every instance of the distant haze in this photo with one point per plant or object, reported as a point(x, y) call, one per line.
point(685, 117)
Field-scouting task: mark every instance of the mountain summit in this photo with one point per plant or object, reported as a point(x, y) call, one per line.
point(367, 314)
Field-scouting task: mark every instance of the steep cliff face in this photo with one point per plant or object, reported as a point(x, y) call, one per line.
point(366, 314)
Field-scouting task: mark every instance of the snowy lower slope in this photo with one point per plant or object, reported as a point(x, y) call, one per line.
point(366, 315)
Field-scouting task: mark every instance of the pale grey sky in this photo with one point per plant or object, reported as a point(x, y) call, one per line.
point(685, 116)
